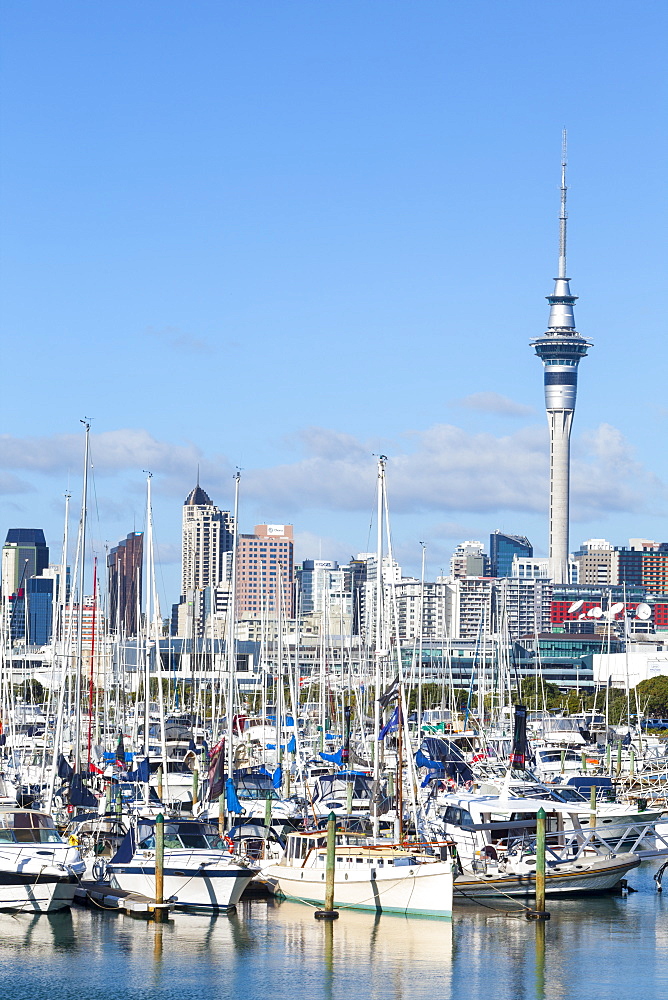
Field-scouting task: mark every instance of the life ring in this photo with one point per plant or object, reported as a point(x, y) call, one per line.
point(230, 844)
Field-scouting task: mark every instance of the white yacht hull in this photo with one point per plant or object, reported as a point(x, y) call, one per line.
point(46, 892)
point(421, 889)
point(586, 874)
point(190, 881)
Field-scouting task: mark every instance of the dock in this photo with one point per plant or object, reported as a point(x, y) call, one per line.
point(100, 895)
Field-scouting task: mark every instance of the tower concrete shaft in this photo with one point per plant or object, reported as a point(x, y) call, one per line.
point(560, 349)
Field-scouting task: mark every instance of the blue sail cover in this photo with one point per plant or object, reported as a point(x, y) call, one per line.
point(333, 758)
point(141, 774)
point(437, 754)
point(231, 798)
point(79, 794)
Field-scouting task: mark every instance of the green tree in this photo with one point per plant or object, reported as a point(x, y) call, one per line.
point(653, 696)
point(549, 694)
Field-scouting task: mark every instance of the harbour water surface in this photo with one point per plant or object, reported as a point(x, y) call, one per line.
point(602, 947)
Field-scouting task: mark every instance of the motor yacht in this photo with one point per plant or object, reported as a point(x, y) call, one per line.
point(39, 872)
point(199, 870)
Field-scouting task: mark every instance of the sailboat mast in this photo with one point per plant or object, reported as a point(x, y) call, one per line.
point(91, 679)
point(231, 630)
point(379, 643)
point(80, 595)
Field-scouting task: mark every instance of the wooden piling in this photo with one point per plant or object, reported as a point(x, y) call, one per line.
point(329, 913)
point(592, 807)
point(539, 912)
point(158, 913)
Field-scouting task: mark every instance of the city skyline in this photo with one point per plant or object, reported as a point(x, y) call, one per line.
point(329, 245)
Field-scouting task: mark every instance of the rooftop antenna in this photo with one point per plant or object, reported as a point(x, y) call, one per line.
point(563, 214)
point(198, 473)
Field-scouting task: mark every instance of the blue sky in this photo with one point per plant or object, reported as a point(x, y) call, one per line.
point(288, 235)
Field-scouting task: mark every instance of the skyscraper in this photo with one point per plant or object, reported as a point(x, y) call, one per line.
point(502, 549)
point(124, 572)
point(208, 533)
point(24, 554)
point(560, 349)
point(469, 559)
point(265, 564)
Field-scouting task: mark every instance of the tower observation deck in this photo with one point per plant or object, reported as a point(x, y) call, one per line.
point(560, 349)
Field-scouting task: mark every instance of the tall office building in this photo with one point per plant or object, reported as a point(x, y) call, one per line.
point(324, 590)
point(422, 610)
point(124, 575)
point(31, 612)
point(265, 563)
point(364, 583)
point(560, 349)
point(644, 563)
point(469, 559)
point(24, 554)
point(208, 533)
point(503, 548)
point(598, 562)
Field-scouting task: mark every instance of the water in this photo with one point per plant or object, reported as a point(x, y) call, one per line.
point(600, 947)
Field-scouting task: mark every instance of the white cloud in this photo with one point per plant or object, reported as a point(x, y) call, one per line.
point(11, 485)
point(111, 451)
point(444, 469)
point(494, 402)
point(606, 476)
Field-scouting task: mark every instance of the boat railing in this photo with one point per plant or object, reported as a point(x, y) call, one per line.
point(571, 845)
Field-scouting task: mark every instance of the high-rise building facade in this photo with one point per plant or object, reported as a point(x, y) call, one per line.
point(469, 607)
point(24, 554)
point(422, 609)
point(324, 590)
point(364, 583)
point(31, 612)
point(124, 576)
point(503, 548)
point(265, 572)
point(645, 564)
point(208, 533)
point(522, 606)
point(598, 562)
point(560, 349)
point(469, 559)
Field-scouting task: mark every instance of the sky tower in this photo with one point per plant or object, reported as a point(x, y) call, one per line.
point(560, 349)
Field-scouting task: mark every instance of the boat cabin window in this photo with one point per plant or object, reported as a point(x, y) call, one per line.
point(567, 795)
point(298, 847)
point(257, 793)
point(459, 817)
point(28, 828)
point(191, 836)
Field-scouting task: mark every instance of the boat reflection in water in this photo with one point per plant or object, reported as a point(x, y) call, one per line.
point(595, 948)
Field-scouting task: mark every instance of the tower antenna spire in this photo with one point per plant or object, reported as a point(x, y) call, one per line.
point(563, 214)
point(561, 348)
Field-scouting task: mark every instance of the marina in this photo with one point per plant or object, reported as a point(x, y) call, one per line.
point(605, 948)
point(333, 642)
